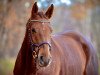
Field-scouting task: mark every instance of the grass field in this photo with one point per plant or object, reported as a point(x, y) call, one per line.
point(6, 66)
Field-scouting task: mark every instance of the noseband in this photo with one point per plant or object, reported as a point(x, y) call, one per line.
point(34, 45)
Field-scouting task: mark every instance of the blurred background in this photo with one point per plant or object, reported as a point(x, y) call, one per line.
point(78, 15)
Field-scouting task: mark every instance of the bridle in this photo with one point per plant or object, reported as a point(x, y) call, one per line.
point(35, 45)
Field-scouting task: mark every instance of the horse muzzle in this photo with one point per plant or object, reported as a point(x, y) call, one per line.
point(44, 61)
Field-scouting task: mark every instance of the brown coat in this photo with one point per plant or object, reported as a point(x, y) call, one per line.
point(71, 54)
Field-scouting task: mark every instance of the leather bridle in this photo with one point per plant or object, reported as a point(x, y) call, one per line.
point(34, 46)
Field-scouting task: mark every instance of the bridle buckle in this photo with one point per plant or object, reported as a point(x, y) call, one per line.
point(34, 54)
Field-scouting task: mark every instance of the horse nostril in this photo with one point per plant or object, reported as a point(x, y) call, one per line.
point(41, 58)
point(44, 61)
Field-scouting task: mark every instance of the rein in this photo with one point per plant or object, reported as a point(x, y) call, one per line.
point(35, 45)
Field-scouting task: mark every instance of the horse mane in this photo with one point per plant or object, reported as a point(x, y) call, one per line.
point(24, 62)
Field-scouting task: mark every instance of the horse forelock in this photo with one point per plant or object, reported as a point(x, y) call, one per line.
point(42, 15)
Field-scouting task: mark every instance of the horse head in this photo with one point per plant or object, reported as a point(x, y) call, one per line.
point(40, 30)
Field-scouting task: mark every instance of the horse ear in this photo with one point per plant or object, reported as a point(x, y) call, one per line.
point(34, 8)
point(49, 12)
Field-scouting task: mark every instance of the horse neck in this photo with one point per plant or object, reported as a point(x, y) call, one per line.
point(27, 56)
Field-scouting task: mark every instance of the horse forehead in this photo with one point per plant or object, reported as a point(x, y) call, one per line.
point(40, 27)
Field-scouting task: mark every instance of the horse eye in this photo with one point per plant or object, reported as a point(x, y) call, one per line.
point(33, 30)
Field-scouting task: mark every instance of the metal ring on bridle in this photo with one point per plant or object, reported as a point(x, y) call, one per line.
point(35, 53)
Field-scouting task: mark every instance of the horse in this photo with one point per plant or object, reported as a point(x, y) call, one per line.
point(65, 53)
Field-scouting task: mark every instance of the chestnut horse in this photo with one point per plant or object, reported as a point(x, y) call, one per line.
point(67, 53)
